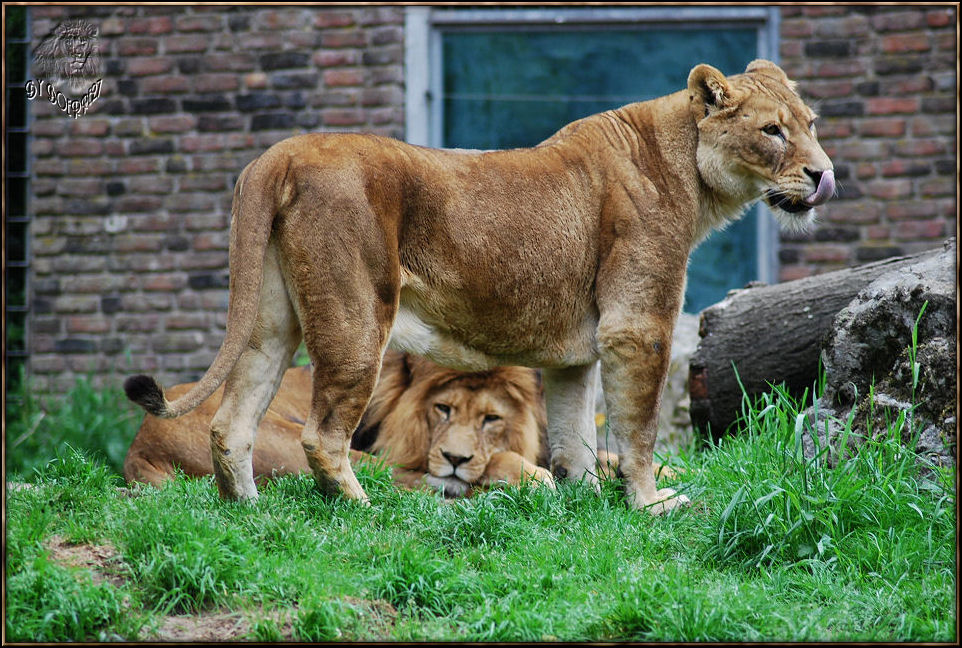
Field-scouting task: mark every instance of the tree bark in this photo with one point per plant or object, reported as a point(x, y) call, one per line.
point(771, 334)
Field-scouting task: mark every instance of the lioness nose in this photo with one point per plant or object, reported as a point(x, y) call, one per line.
point(456, 460)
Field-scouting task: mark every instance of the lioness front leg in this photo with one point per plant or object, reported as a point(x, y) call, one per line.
point(634, 365)
point(570, 400)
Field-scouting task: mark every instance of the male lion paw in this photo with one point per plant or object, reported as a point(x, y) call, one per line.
point(449, 486)
point(542, 475)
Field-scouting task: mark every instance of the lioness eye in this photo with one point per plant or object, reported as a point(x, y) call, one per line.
point(491, 418)
point(773, 129)
point(444, 410)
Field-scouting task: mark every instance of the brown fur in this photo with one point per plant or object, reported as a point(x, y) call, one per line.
point(556, 256)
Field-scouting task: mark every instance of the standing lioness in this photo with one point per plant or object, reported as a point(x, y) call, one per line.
point(554, 257)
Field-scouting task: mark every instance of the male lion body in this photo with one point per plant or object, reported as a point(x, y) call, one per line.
point(493, 432)
point(556, 257)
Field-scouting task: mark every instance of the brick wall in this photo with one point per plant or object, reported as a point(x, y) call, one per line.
point(131, 201)
point(883, 80)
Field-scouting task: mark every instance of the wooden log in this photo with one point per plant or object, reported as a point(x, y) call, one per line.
point(771, 334)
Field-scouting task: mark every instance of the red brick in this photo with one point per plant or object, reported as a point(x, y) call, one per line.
point(339, 117)
point(195, 143)
point(93, 127)
point(822, 253)
point(895, 168)
point(164, 282)
point(260, 41)
point(882, 127)
point(151, 25)
point(898, 20)
point(195, 23)
point(337, 78)
point(187, 43)
point(281, 18)
point(134, 165)
point(165, 84)
point(940, 17)
point(150, 184)
point(898, 43)
point(336, 39)
point(793, 272)
point(926, 229)
point(80, 147)
point(890, 189)
point(80, 187)
point(187, 321)
point(255, 81)
point(911, 210)
point(891, 105)
point(137, 46)
point(877, 233)
point(93, 324)
point(215, 82)
point(336, 58)
point(172, 123)
point(326, 18)
point(938, 187)
point(88, 167)
point(920, 147)
point(190, 202)
point(840, 68)
point(834, 129)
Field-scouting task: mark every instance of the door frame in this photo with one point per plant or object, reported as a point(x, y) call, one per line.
point(423, 71)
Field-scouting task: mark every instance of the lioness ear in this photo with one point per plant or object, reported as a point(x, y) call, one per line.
point(708, 87)
point(761, 66)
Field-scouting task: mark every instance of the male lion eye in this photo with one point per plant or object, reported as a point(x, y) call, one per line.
point(491, 418)
point(445, 410)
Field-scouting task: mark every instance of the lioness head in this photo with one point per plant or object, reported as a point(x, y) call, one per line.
point(449, 423)
point(756, 139)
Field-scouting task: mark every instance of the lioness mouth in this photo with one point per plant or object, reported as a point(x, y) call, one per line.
point(795, 205)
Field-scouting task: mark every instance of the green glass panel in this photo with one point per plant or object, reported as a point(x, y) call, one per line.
point(506, 89)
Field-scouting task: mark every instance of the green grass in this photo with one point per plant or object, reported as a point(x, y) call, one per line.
point(776, 547)
point(101, 421)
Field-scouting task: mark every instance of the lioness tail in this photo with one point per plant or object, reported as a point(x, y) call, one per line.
point(147, 392)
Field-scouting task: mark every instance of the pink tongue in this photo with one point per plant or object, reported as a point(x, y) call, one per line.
point(826, 189)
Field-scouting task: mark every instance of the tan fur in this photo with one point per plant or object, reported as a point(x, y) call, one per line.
point(556, 256)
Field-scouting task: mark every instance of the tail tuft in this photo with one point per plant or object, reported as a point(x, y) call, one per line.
point(146, 392)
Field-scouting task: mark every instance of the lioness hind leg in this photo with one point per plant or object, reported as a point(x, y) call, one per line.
point(570, 401)
point(251, 386)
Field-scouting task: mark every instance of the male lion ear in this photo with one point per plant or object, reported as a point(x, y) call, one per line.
point(708, 87)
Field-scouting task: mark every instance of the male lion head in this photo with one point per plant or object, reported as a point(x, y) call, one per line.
point(756, 139)
point(70, 53)
point(449, 423)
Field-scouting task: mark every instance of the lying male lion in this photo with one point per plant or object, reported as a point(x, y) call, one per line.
point(554, 257)
point(442, 428)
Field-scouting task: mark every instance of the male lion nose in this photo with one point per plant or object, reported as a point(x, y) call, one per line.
point(456, 460)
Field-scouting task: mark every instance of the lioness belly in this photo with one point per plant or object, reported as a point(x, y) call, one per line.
point(413, 334)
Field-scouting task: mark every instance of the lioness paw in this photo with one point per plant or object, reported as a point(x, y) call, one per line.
point(660, 502)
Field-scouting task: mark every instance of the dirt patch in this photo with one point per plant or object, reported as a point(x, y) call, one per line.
point(105, 565)
point(212, 626)
point(102, 561)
